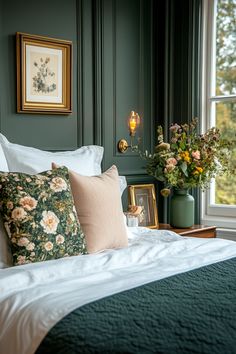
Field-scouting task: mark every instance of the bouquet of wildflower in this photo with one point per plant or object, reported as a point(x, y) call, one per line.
point(190, 159)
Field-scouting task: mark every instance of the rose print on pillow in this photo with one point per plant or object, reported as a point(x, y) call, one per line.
point(49, 222)
point(40, 217)
point(58, 184)
point(28, 203)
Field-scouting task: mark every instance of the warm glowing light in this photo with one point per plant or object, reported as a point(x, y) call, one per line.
point(133, 122)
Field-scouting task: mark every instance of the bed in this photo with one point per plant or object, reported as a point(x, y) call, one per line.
point(163, 293)
point(137, 291)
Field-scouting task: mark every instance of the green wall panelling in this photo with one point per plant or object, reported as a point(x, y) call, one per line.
point(127, 77)
point(116, 35)
point(58, 19)
point(127, 54)
point(85, 100)
point(112, 74)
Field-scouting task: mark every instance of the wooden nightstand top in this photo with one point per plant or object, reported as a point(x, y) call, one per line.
point(194, 231)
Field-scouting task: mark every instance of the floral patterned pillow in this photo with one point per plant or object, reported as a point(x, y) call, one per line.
point(40, 217)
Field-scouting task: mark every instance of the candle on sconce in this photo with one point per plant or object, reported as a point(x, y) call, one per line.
point(133, 123)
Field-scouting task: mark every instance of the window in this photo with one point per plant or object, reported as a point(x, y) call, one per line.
point(219, 101)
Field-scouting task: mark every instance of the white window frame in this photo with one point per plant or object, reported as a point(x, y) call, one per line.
point(212, 214)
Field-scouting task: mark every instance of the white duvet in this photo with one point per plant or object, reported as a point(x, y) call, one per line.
point(34, 297)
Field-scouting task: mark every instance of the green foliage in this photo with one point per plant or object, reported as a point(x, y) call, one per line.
point(225, 47)
point(190, 160)
point(225, 85)
point(225, 192)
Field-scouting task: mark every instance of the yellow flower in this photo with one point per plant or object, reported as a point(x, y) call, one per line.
point(185, 156)
point(198, 170)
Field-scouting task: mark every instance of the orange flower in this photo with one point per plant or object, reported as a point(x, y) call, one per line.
point(185, 156)
point(198, 170)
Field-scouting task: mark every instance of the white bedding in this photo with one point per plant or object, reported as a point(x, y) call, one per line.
point(34, 297)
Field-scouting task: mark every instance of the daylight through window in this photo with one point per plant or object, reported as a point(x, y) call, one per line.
point(222, 98)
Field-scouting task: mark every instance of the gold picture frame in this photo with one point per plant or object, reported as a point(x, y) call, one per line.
point(144, 195)
point(44, 74)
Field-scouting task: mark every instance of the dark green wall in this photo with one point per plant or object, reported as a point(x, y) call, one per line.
point(127, 55)
point(112, 73)
point(46, 132)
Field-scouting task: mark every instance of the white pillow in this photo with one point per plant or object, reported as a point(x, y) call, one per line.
point(123, 184)
point(5, 251)
point(85, 160)
point(3, 161)
point(18, 158)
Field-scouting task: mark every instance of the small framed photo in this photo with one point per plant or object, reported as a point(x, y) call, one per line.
point(44, 74)
point(144, 195)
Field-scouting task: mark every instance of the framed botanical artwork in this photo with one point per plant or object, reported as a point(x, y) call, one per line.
point(44, 74)
point(144, 195)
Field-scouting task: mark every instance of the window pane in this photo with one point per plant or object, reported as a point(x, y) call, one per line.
point(225, 186)
point(225, 47)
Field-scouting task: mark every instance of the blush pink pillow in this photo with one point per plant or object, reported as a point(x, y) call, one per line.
point(98, 205)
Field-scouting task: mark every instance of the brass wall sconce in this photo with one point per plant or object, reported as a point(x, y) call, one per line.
point(133, 124)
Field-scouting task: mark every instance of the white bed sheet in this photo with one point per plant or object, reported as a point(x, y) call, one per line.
point(34, 297)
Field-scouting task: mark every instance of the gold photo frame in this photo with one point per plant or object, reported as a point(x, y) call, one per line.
point(144, 195)
point(44, 74)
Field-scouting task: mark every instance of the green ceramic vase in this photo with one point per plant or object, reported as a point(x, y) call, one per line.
point(181, 209)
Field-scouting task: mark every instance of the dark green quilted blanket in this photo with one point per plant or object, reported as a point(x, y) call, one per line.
point(193, 312)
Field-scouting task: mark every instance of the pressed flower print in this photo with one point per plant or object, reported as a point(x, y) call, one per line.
point(39, 216)
point(42, 81)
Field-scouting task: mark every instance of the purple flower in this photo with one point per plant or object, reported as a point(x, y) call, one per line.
point(174, 127)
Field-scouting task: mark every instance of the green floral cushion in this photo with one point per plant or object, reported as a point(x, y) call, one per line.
point(40, 217)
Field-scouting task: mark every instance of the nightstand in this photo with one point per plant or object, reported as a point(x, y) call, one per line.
point(194, 231)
